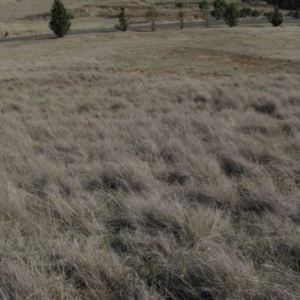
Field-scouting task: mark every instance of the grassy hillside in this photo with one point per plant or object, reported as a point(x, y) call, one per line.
point(151, 166)
point(28, 17)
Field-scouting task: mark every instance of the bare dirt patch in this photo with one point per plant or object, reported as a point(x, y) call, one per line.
point(185, 52)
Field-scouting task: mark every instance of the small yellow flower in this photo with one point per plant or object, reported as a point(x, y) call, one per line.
point(180, 238)
point(182, 275)
point(184, 270)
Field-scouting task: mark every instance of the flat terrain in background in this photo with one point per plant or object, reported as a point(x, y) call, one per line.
point(145, 165)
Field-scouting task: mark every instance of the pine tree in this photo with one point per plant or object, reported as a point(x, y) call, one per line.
point(275, 17)
point(152, 15)
point(60, 19)
point(231, 15)
point(123, 21)
point(181, 15)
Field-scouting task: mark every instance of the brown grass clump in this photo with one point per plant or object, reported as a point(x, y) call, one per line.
point(176, 186)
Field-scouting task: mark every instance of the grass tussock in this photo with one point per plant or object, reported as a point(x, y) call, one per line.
point(117, 186)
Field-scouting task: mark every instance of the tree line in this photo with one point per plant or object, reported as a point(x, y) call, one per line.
point(60, 21)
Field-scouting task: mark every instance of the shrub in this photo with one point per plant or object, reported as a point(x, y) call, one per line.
point(179, 5)
point(295, 4)
point(245, 12)
point(181, 15)
point(231, 15)
point(218, 13)
point(255, 13)
point(152, 15)
point(60, 19)
point(275, 17)
point(203, 4)
point(296, 14)
point(220, 7)
point(220, 3)
point(70, 14)
point(123, 21)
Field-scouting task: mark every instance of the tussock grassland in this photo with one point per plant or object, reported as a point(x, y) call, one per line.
point(121, 183)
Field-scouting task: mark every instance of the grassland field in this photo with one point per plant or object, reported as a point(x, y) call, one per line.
point(151, 165)
point(28, 17)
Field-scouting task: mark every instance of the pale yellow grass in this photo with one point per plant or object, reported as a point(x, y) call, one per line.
point(25, 27)
point(195, 52)
point(32, 17)
point(146, 166)
point(214, 52)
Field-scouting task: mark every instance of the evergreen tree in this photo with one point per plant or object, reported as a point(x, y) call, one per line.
point(152, 15)
point(181, 15)
point(275, 17)
point(123, 21)
point(206, 17)
point(203, 4)
point(231, 15)
point(60, 19)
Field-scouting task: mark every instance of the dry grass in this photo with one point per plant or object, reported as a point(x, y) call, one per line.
point(32, 17)
point(178, 182)
point(29, 17)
